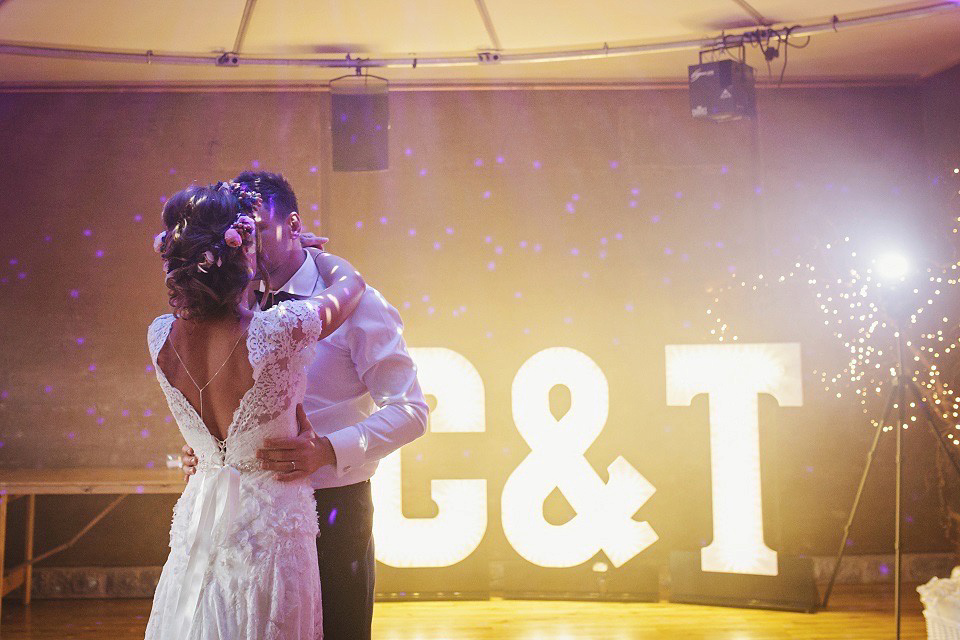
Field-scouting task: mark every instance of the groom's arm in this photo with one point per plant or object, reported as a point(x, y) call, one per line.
point(375, 340)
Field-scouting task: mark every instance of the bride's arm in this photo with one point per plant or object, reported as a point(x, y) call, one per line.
point(345, 286)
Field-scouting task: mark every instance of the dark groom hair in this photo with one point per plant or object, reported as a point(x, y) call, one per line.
point(276, 192)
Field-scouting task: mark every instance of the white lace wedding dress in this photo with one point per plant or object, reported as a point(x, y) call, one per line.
point(243, 556)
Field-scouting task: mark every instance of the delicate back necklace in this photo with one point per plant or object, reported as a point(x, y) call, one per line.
point(189, 375)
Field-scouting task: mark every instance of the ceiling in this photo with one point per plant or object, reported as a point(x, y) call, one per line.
point(901, 50)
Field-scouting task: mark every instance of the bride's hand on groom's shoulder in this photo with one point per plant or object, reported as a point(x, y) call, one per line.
point(312, 241)
point(298, 457)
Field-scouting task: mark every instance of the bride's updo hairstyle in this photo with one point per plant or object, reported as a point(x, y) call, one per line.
point(209, 233)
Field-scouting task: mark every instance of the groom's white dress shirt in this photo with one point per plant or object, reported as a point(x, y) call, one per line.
point(362, 389)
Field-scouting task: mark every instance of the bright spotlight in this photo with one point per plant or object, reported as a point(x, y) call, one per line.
point(892, 266)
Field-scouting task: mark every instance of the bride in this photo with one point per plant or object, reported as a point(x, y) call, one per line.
point(243, 556)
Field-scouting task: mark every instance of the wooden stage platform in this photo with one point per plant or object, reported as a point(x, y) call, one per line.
point(856, 613)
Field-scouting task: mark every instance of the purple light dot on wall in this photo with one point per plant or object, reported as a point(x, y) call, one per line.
point(685, 257)
point(47, 389)
point(47, 238)
point(537, 247)
point(654, 219)
point(478, 162)
point(716, 206)
point(523, 244)
point(629, 307)
point(720, 245)
point(314, 207)
point(316, 223)
point(423, 172)
point(618, 236)
point(359, 224)
point(603, 254)
point(149, 464)
point(809, 469)
point(526, 331)
point(491, 265)
point(408, 151)
point(22, 275)
point(488, 239)
point(313, 169)
point(144, 433)
point(101, 420)
point(498, 250)
point(585, 275)
point(536, 164)
point(1, 444)
point(149, 368)
point(686, 324)
point(668, 251)
point(168, 419)
point(436, 245)
point(568, 320)
point(884, 569)
point(489, 334)
point(449, 231)
point(575, 251)
point(430, 310)
point(14, 261)
point(383, 220)
point(463, 308)
point(486, 195)
point(909, 519)
point(4, 394)
point(758, 190)
point(499, 159)
point(570, 208)
point(74, 293)
point(614, 164)
point(332, 517)
point(87, 232)
point(724, 169)
point(635, 191)
point(91, 411)
point(137, 218)
point(575, 197)
point(455, 312)
point(255, 164)
point(731, 268)
point(172, 171)
point(425, 298)
point(517, 294)
point(603, 240)
point(92, 368)
point(71, 435)
point(125, 413)
point(678, 195)
point(99, 253)
point(147, 413)
point(411, 232)
point(140, 488)
point(406, 304)
point(163, 199)
point(633, 204)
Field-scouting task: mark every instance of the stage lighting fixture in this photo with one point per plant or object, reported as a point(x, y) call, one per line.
point(892, 266)
point(722, 90)
point(360, 122)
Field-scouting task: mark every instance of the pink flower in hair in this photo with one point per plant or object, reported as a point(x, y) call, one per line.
point(232, 237)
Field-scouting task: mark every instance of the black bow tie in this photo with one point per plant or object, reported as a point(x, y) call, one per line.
point(275, 297)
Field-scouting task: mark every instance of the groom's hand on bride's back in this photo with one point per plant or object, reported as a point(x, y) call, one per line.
point(299, 457)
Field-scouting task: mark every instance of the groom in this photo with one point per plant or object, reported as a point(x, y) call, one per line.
point(362, 403)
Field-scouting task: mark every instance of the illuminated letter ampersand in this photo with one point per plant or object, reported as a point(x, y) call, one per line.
point(604, 512)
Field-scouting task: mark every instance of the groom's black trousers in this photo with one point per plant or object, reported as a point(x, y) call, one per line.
point(345, 552)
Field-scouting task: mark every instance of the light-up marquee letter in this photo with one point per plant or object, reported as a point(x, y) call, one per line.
point(605, 512)
point(461, 520)
point(733, 375)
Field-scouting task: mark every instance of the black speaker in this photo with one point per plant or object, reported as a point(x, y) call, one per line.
point(722, 90)
point(360, 123)
point(792, 589)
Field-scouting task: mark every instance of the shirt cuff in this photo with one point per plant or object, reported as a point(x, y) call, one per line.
point(350, 447)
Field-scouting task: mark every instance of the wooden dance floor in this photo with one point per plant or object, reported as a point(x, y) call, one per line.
point(860, 613)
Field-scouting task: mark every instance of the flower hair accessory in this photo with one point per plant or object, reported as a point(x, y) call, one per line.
point(158, 241)
point(240, 232)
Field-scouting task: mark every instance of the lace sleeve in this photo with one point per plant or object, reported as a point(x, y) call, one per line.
point(290, 326)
